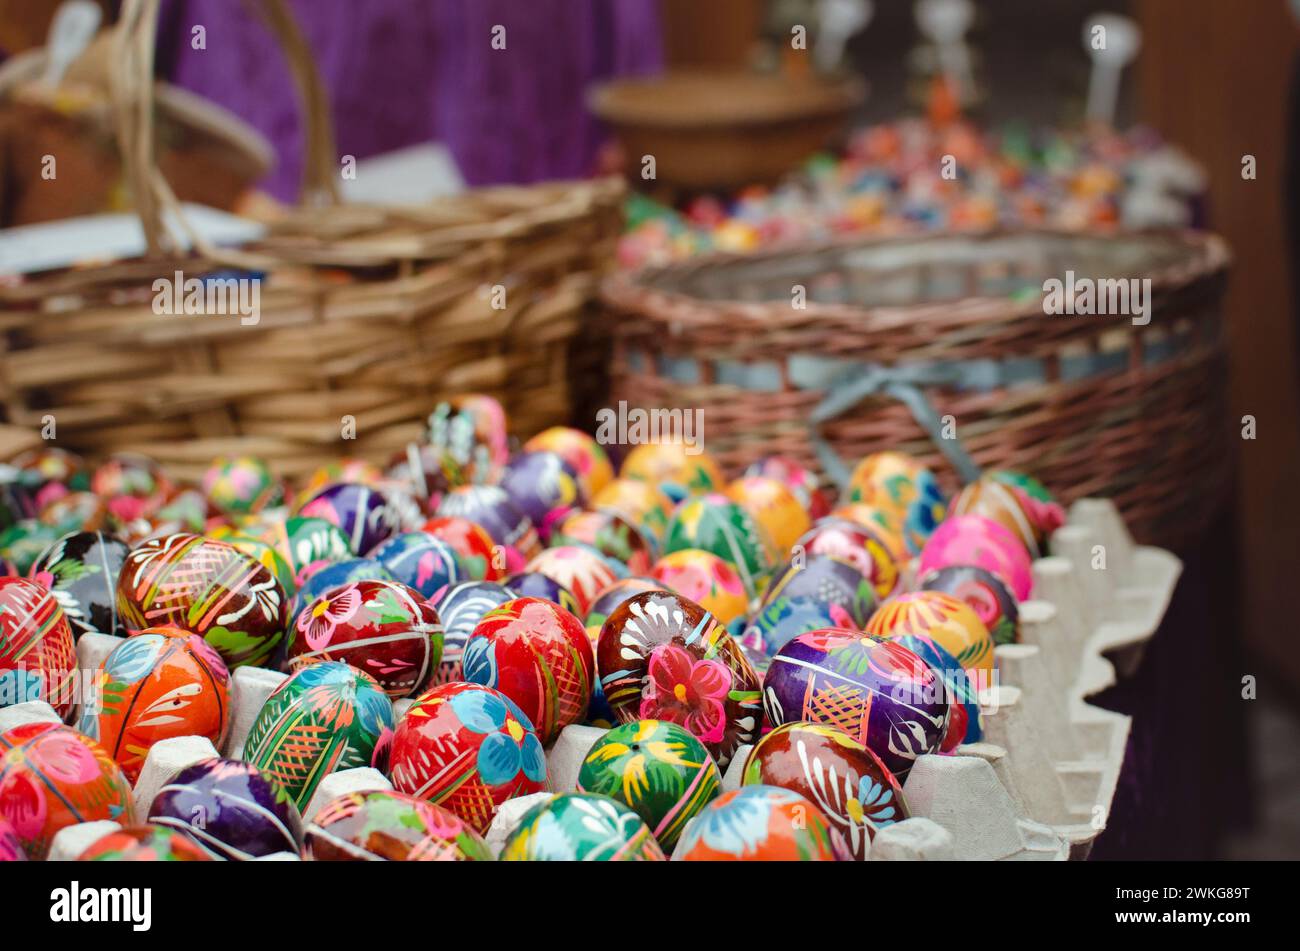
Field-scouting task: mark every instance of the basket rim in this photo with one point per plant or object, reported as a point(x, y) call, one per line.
point(627, 292)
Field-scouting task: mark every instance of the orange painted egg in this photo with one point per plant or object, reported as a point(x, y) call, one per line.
point(949, 621)
point(586, 456)
point(677, 471)
point(707, 580)
point(144, 844)
point(773, 505)
point(761, 824)
point(642, 502)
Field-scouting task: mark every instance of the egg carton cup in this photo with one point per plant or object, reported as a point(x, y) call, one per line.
point(1038, 787)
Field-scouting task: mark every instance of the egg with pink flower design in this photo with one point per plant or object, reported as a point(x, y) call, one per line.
point(664, 657)
point(706, 579)
point(984, 543)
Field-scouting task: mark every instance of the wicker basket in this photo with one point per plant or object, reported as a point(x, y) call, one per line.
point(897, 334)
point(368, 312)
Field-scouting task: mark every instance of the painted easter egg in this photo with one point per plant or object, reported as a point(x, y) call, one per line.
point(657, 769)
point(537, 654)
point(357, 471)
point(428, 471)
point(664, 657)
point(879, 522)
point(491, 508)
point(81, 570)
point(472, 545)
point(421, 561)
point(11, 849)
point(873, 689)
point(644, 503)
point(610, 597)
point(50, 471)
point(461, 608)
point(208, 587)
point(75, 512)
point(1030, 519)
point(37, 658)
point(984, 543)
point(724, 528)
point(488, 428)
point(900, 485)
point(360, 512)
point(544, 487)
point(761, 824)
point(133, 486)
point(828, 580)
point(678, 472)
point(264, 554)
point(383, 628)
point(144, 844)
point(780, 620)
point(581, 827)
point(467, 748)
point(240, 485)
point(584, 455)
point(833, 771)
point(965, 721)
point(388, 826)
point(333, 576)
point(533, 584)
point(584, 571)
point(25, 541)
point(949, 620)
point(307, 545)
point(51, 777)
point(773, 506)
point(157, 684)
point(707, 580)
point(325, 717)
point(799, 479)
point(610, 533)
point(231, 809)
point(861, 547)
point(985, 593)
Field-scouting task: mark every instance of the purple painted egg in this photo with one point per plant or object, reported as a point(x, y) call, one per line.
point(360, 512)
point(613, 595)
point(875, 690)
point(421, 561)
point(544, 487)
point(976, 540)
point(231, 809)
point(986, 594)
point(828, 580)
point(461, 607)
point(534, 584)
point(496, 512)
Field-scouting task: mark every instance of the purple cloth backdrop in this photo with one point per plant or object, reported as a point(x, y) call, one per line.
point(406, 71)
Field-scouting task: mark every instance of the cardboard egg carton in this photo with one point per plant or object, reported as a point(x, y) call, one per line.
point(1038, 787)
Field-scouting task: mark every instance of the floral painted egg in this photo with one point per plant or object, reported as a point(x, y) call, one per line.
point(157, 684)
point(208, 587)
point(241, 485)
point(307, 545)
point(724, 528)
point(706, 579)
point(51, 777)
point(965, 721)
point(674, 469)
point(949, 620)
point(773, 506)
point(360, 512)
point(532, 584)
point(75, 512)
point(11, 849)
point(467, 748)
point(81, 570)
point(461, 608)
point(799, 479)
point(25, 541)
point(841, 777)
point(780, 620)
point(231, 809)
point(828, 580)
point(133, 486)
point(421, 561)
point(326, 717)
point(491, 508)
point(544, 487)
point(388, 826)
point(1044, 512)
point(472, 544)
point(761, 824)
point(610, 533)
point(860, 546)
point(1030, 520)
point(383, 628)
point(584, 455)
point(333, 576)
point(657, 769)
point(537, 654)
point(984, 543)
point(580, 569)
point(664, 657)
point(37, 657)
point(144, 844)
point(985, 593)
point(900, 485)
point(581, 827)
point(879, 522)
point(644, 503)
point(873, 689)
point(610, 597)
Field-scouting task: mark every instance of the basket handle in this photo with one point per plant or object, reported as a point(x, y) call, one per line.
point(131, 89)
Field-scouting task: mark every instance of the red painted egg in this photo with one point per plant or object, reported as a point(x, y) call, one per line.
point(37, 657)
